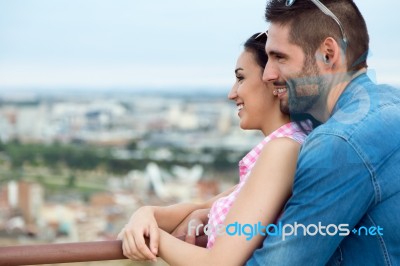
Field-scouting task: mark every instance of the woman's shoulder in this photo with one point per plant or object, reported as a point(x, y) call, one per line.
point(292, 131)
point(279, 147)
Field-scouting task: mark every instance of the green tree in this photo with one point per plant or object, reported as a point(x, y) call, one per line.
point(71, 180)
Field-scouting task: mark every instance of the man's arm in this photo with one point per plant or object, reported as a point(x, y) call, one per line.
point(332, 186)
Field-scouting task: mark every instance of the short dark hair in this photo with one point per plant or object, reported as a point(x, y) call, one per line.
point(309, 27)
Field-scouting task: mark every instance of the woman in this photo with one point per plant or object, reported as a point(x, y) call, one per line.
point(266, 178)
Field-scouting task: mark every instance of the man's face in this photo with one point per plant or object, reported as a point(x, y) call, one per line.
point(295, 75)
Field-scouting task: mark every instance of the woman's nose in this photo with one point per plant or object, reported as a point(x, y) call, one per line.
point(233, 92)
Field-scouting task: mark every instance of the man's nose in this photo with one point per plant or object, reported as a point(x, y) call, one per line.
point(270, 73)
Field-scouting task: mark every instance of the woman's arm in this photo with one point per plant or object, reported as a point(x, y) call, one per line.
point(146, 221)
point(169, 217)
point(260, 200)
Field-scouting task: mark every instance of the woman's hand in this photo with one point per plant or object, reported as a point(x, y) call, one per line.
point(140, 236)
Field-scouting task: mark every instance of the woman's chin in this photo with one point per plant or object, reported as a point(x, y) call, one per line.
point(244, 126)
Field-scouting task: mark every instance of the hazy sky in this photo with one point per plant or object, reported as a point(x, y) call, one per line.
point(149, 43)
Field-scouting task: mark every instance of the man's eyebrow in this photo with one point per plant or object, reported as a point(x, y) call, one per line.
point(275, 53)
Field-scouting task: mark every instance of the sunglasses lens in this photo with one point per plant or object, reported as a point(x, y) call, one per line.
point(290, 2)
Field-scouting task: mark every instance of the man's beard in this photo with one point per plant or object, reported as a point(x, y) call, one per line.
point(304, 89)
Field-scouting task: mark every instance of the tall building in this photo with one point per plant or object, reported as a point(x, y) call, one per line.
point(26, 197)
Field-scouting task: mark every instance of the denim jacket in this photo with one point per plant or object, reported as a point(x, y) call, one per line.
point(346, 192)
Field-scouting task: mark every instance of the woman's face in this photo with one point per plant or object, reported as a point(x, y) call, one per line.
point(256, 104)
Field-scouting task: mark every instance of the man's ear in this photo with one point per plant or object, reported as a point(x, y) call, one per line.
point(331, 54)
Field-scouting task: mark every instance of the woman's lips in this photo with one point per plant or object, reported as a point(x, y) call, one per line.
point(281, 92)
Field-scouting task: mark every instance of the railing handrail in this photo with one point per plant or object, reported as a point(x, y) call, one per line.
point(61, 253)
point(67, 252)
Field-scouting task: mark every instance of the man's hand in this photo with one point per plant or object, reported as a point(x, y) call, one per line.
point(196, 218)
point(141, 228)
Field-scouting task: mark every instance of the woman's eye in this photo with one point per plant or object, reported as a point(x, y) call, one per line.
point(239, 78)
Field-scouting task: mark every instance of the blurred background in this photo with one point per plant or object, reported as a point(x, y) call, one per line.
point(106, 106)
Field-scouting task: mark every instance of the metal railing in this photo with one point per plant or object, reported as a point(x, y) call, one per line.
point(61, 253)
point(67, 252)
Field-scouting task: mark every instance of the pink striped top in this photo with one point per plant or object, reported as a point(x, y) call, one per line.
point(221, 207)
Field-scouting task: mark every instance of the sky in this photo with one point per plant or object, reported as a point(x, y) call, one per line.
point(97, 44)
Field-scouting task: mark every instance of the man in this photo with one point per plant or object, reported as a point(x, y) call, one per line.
point(348, 173)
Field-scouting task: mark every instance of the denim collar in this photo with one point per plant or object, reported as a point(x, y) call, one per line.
point(347, 94)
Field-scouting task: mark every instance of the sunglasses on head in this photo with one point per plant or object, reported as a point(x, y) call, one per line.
point(327, 12)
point(261, 34)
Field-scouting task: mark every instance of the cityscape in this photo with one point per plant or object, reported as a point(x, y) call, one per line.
point(107, 106)
point(75, 165)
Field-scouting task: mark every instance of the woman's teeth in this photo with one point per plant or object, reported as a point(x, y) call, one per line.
point(240, 107)
point(282, 90)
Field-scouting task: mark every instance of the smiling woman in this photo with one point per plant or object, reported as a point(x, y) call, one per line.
point(266, 177)
point(256, 102)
